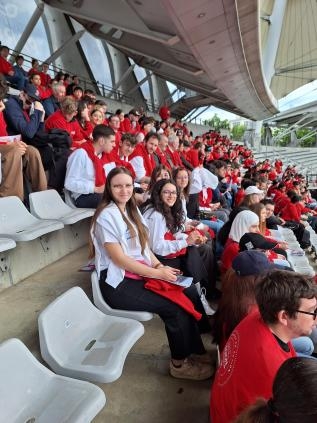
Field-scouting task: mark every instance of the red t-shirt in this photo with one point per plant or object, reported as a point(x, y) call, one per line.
point(249, 364)
point(230, 251)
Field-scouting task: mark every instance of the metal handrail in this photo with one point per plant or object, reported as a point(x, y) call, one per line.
point(103, 89)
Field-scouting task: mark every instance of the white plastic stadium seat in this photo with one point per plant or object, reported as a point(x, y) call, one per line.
point(100, 303)
point(80, 341)
point(49, 205)
point(69, 199)
point(17, 223)
point(29, 392)
point(6, 244)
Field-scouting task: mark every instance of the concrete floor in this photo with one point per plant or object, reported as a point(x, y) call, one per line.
point(145, 392)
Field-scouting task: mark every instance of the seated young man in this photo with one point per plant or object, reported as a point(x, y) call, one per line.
point(261, 343)
point(142, 158)
point(88, 166)
point(121, 153)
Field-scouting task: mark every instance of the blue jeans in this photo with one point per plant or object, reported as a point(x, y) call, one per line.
point(215, 225)
point(303, 346)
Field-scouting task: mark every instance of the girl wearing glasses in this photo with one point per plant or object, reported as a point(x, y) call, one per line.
point(124, 261)
point(165, 217)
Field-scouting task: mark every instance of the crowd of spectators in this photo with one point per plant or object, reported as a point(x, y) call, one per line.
point(169, 203)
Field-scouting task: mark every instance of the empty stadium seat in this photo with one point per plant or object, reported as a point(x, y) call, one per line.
point(78, 340)
point(29, 392)
point(17, 223)
point(6, 244)
point(101, 304)
point(49, 205)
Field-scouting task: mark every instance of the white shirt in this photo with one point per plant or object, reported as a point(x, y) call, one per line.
point(110, 227)
point(80, 173)
point(138, 165)
point(157, 227)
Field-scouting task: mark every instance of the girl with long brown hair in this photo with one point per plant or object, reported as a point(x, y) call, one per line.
point(125, 264)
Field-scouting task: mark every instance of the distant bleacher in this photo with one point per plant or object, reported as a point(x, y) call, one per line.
point(304, 158)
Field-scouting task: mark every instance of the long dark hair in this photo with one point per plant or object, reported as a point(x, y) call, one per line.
point(294, 395)
point(174, 216)
point(155, 173)
point(131, 208)
point(82, 104)
point(237, 300)
point(175, 172)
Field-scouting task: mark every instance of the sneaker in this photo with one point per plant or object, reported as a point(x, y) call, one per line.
point(192, 370)
point(208, 310)
point(206, 358)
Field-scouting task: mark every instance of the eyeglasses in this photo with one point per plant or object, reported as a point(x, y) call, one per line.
point(311, 313)
point(174, 193)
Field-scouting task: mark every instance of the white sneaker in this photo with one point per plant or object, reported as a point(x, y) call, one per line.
point(209, 311)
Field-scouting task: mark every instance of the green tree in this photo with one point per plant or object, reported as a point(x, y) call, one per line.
point(307, 142)
point(282, 140)
point(216, 123)
point(238, 131)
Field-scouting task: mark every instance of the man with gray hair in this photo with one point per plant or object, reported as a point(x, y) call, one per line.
point(160, 153)
point(52, 103)
point(172, 153)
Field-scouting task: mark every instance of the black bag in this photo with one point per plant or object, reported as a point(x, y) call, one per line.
point(54, 148)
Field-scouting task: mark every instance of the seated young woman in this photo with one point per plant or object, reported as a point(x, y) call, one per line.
point(125, 265)
point(245, 221)
point(281, 246)
point(165, 217)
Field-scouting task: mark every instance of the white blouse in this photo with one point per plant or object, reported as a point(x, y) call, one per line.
point(157, 226)
point(110, 227)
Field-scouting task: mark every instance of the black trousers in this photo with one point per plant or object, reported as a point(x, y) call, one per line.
point(90, 201)
point(182, 330)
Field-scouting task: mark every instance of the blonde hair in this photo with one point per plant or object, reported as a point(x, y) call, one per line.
point(69, 105)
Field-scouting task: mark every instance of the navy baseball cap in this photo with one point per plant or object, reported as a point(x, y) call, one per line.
point(252, 262)
point(32, 91)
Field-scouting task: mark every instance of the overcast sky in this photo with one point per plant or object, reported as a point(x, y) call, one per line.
point(303, 95)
